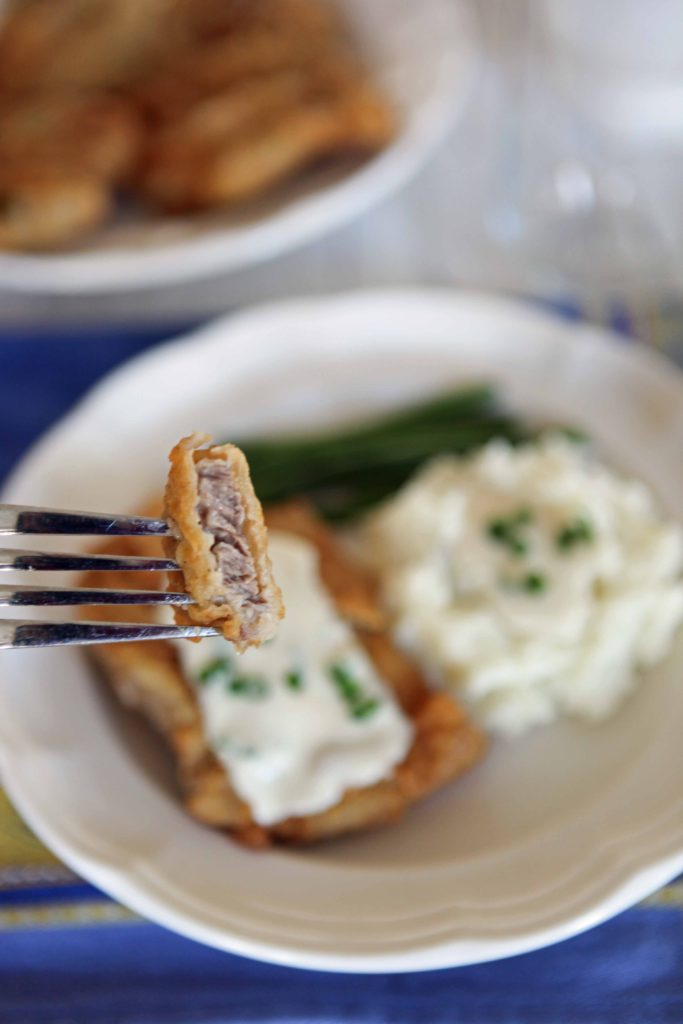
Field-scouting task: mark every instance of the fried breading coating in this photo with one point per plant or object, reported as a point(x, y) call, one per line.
point(104, 43)
point(273, 36)
point(219, 540)
point(221, 115)
point(176, 153)
point(60, 152)
point(214, 68)
point(188, 104)
point(183, 178)
point(67, 130)
point(45, 209)
point(310, 19)
point(148, 676)
point(82, 43)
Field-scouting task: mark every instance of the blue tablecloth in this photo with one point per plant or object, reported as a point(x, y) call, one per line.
point(68, 955)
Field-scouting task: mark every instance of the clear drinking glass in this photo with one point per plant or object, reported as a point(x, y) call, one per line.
point(589, 180)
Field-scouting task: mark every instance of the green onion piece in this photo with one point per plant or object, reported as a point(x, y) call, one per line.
point(505, 530)
point(348, 686)
point(580, 531)
point(365, 709)
point(534, 583)
point(530, 583)
point(574, 434)
point(294, 680)
point(251, 687)
point(522, 517)
point(214, 669)
point(358, 703)
point(518, 547)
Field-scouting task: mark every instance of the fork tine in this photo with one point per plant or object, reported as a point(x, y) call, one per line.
point(13, 558)
point(23, 596)
point(16, 633)
point(22, 519)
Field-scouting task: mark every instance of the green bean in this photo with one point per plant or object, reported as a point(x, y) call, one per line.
point(345, 472)
point(475, 400)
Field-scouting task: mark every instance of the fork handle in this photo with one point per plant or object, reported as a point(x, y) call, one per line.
point(21, 519)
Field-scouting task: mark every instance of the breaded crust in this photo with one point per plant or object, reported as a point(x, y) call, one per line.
point(245, 624)
point(191, 166)
point(148, 676)
point(42, 208)
point(185, 106)
point(81, 43)
point(64, 130)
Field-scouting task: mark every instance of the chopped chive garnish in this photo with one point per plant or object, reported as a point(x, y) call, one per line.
point(214, 669)
point(505, 530)
point(530, 583)
point(365, 709)
point(517, 546)
point(294, 680)
point(534, 582)
point(579, 531)
point(359, 705)
point(498, 529)
point(252, 687)
point(348, 686)
point(574, 434)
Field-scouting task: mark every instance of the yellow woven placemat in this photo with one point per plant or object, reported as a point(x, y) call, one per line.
point(18, 845)
point(49, 893)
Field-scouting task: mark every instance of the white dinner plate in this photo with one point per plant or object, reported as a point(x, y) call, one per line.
point(423, 54)
point(549, 835)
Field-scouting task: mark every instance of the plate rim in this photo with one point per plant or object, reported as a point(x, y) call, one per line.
point(448, 955)
point(642, 879)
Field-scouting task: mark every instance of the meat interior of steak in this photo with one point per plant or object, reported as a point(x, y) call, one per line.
point(221, 514)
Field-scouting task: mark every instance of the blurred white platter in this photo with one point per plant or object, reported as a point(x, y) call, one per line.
point(424, 55)
point(548, 836)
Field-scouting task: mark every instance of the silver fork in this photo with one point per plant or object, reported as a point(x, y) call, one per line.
point(24, 520)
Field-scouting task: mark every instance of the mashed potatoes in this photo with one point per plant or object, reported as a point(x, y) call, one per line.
point(533, 580)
